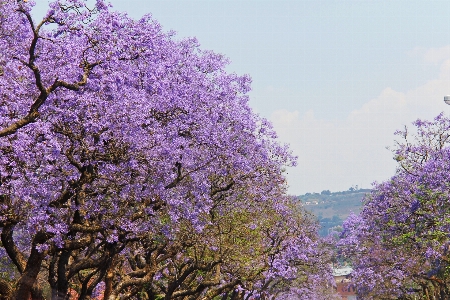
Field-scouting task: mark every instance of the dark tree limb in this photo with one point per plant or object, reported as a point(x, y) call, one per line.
point(26, 284)
point(14, 253)
point(33, 113)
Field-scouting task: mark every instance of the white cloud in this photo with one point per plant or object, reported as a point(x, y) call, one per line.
point(436, 55)
point(338, 154)
point(431, 55)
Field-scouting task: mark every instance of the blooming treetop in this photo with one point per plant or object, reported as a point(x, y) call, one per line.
point(114, 137)
point(400, 242)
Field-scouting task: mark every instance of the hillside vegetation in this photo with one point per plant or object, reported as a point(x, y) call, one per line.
point(331, 209)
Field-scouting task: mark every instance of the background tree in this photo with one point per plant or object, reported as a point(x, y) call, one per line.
point(400, 243)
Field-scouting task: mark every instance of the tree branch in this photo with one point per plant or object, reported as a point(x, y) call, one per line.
point(14, 253)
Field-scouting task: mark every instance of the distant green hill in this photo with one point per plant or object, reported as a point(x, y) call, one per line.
point(331, 209)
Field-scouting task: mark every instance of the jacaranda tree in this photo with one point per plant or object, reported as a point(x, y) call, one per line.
point(127, 158)
point(400, 243)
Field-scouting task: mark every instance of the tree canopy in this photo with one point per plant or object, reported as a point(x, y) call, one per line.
point(400, 242)
point(132, 166)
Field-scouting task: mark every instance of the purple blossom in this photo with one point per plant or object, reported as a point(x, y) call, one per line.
point(136, 146)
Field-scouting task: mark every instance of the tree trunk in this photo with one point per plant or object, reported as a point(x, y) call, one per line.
point(62, 285)
point(28, 279)
point(26, 286)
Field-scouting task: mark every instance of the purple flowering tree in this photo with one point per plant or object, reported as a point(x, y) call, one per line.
point(400, 242)
point(251, 251)
point(122, 154)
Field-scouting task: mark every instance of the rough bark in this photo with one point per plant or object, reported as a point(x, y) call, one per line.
point(26, 284)
point(6, 290)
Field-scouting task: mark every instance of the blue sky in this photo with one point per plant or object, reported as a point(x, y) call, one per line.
point(336, 78)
